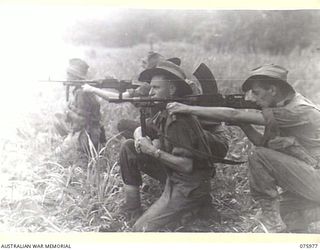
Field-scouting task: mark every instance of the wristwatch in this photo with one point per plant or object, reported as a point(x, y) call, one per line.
point(156, 154)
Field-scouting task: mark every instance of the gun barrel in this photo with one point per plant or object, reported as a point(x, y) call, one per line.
point(111, 83)
point(146, 100)
point(71, 82)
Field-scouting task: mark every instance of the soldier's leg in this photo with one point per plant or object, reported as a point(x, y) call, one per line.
point(94, 133)
point(61, 126)
point(102, 137)
point(161, 213)
point(173, 204)
point(269, 169)
point(131, 165)
point(298, 212)
point(131, 176)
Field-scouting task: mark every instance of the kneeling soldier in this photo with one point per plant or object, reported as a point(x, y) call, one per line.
point(176, 155)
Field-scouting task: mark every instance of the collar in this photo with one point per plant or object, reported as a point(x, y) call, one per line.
point(286, 100)
point(160, 117)
point(163, 117)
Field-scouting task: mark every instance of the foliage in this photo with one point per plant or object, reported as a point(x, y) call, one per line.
point(255, 31)
point(41, 193)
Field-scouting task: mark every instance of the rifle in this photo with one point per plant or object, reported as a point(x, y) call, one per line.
point(214, 100)
point(120, 85)
point(211, 100)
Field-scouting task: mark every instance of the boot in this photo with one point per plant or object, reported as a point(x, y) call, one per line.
point(205, 212)
point(296, 222)
point(270, 216)
point(208, 211)
point(299, 221)
point(131, 209)
point(312, 214)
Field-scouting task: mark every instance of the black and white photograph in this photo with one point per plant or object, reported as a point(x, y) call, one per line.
point(159, 120)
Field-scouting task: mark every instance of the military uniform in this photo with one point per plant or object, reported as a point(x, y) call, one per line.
point(182, 192)
point(84, 116)
point(290, 159)
point(81, 119)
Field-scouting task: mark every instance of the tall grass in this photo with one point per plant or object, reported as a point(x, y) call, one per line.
point(40, 192)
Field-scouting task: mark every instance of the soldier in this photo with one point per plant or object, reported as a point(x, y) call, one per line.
point(286, 155)
point(80, 124)
point(175, 152)
point(126, 126)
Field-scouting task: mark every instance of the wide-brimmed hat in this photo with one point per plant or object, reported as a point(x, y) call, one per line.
point(268, 71)
point(154, 58)
point(174, 73)
point(78, 68)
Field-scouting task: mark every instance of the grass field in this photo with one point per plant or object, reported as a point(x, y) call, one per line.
point(42, 193)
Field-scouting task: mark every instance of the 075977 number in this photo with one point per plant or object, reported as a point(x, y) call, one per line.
point(308, 246)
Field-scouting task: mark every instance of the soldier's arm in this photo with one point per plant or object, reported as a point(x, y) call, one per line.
point(253, 135)
point(219, 113)
point(178, 160)
point(103, 93)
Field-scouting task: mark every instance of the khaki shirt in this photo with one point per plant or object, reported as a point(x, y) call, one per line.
point(299, 118)
point(178, 134)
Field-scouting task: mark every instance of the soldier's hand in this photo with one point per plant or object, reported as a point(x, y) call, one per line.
point(87, 88)
point(175, 107)
point(156, 143)
point(143, 90)
point(137, 145)
point(146, 146)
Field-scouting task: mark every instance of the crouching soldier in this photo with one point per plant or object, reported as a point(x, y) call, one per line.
point(80, 124)
point(286, 155)
point(175, 152)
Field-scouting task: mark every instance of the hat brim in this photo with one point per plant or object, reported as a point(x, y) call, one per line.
point(247, 85)
point(146, 76)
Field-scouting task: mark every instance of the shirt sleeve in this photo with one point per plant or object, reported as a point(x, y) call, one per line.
point(181, 137)
point(299, 116)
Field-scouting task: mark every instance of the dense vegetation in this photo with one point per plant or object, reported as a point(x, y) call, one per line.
point(246, 31)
